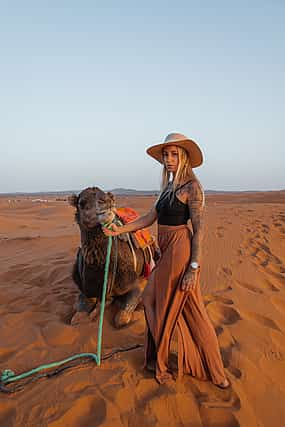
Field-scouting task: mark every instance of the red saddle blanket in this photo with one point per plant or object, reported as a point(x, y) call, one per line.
point(142, 238)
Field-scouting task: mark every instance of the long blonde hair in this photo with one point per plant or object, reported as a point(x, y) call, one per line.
point(183, 174)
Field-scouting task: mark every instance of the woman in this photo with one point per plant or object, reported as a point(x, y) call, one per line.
point(172, 298)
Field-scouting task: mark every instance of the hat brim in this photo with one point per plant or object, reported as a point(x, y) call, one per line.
point(192, 148)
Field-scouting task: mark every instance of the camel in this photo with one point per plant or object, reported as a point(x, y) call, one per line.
point(126, 280)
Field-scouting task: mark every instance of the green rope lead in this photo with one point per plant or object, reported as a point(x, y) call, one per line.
point(9, 376)
point(103, 301)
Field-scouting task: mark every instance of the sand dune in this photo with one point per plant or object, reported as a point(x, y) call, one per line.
point(243, 283)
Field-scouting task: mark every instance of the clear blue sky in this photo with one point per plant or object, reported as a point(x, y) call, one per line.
point(87, 86)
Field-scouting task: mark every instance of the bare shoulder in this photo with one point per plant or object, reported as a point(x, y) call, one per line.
point(193, 194)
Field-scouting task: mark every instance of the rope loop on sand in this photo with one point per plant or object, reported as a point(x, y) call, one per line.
point(8, 376)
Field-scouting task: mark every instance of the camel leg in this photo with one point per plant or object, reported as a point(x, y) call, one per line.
point(128, 303)
point(86, 304)
point(83, 308)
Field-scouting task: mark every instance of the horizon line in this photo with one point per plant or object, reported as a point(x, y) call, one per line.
point(121, 191)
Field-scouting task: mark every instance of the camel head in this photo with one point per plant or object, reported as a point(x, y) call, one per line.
point(93, 207)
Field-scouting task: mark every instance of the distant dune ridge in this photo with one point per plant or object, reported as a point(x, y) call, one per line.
point(133, 192)
point(243, 285)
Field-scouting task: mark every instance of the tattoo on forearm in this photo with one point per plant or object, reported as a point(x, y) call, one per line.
point(193, 193)
point(198, 231)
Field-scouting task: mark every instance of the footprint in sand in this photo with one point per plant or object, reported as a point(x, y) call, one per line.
point(274, 354)
point(176, 406)
point(262, 256)
point(261, 320)
point(235, 371)
point(265, 228)
point(240, 252)
point(249, 287)
point(218, 406)
point(211, 411)
point(222, 314)
point(82, 410)
point(221, 404)
point(220, 231)
point(279, 225)
point(267, 249)
point(223, 300)
point(221, 291)
point(227, 271)
point(208, 299)
point(266, 284)
point(279, 303)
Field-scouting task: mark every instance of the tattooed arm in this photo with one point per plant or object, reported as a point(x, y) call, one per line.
point(196, 208)
point(193, 195)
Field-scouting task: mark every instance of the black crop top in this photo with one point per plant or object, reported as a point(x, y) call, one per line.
point(175, 213)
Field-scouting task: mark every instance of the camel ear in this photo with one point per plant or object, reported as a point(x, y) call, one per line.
point(111, 196)
point(73, 200)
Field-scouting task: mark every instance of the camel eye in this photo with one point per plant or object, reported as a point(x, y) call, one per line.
point(82, 204)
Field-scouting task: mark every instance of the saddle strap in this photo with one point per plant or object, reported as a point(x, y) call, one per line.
point(129, 240)
point(110, 288)
point(133, 252)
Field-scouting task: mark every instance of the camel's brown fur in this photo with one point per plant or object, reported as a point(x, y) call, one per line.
point(94, 207)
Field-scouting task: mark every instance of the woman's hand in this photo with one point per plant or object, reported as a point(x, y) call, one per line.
point(189, 280)
point(112, 230)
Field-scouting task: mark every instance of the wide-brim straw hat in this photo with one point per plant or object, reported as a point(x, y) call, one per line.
point(180, 140)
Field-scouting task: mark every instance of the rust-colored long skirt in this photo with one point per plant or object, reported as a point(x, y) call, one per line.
point(167, 306)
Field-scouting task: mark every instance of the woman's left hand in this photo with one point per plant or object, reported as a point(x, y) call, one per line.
point(113, 230)
point(189, 280)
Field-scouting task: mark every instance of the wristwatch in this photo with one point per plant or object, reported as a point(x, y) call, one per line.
point(194, 265)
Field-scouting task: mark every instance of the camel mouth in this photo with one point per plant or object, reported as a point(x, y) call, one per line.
point(90, 225)
point(106, 217)
point(100, 220)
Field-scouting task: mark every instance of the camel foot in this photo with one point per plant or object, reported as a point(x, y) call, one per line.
point(85, 304)
point(95, 313)
point(79, 317)
point(122, 318)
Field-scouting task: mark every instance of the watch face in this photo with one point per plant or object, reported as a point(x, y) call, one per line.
point(194, 265)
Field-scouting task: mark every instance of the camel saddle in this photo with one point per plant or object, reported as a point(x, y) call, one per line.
point(141, 239)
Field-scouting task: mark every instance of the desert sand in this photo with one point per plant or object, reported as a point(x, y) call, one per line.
point(243, 284)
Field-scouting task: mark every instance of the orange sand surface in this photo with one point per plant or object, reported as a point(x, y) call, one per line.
point(243, 283)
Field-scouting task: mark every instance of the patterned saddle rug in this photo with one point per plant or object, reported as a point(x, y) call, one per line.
point(141, 238)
